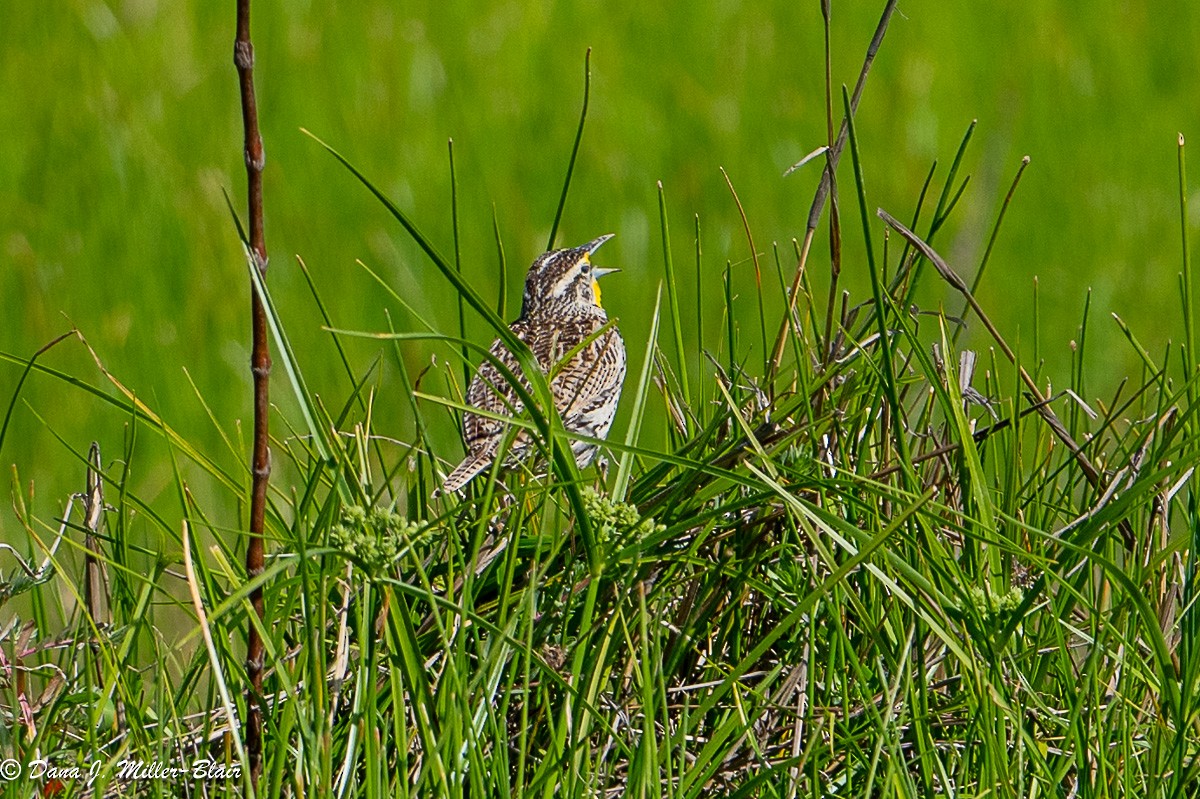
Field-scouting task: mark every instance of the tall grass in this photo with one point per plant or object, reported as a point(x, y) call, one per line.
point(884, 567)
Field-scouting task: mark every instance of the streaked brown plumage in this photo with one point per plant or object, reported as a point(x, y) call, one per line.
point(561, 309)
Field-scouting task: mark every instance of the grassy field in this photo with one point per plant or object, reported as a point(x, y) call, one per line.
point(115, 159)
point(832, 576)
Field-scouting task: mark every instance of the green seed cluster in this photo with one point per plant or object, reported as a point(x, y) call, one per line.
point(373, 536)
point(991, 604)
point(610, 517)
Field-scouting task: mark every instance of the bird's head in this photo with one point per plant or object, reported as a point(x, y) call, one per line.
point(564, 280)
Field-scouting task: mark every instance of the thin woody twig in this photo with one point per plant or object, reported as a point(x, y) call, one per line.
point(260, 362)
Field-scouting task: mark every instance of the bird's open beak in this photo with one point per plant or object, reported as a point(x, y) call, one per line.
point(597, 271)
point(591, 247)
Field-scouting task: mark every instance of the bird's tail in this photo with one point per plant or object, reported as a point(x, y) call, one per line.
point(462, 474)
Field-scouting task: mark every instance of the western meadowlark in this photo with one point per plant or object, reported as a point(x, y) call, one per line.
point(561, 310)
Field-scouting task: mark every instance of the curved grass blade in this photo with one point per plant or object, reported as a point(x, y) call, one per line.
point(562, 201)
point(21, 382)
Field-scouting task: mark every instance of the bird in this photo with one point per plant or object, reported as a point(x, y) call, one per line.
point(560, 310)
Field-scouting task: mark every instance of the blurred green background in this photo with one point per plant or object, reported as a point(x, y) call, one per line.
point(120, 127)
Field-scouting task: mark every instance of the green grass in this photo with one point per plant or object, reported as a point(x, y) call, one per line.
point(874, 570)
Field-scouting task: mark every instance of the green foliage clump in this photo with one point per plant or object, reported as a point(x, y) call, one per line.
point(610, 517)
point(373, 536)
point(991, 605)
